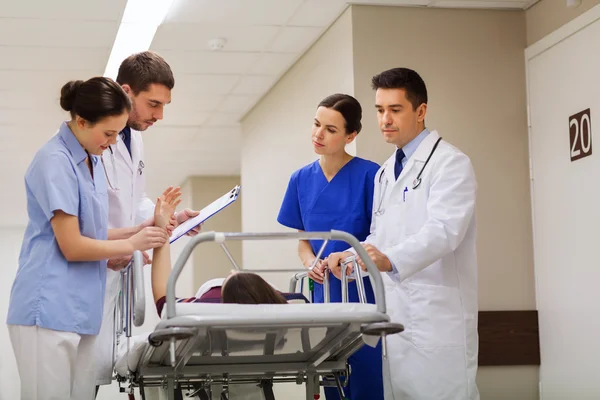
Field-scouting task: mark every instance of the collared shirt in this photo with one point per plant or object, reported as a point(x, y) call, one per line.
point(126, 136)
point(50, 291)
point(410, 148)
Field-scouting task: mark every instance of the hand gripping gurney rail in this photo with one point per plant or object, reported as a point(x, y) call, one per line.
point(196, 346)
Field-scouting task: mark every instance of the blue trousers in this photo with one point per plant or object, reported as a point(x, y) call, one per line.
point(366, 374)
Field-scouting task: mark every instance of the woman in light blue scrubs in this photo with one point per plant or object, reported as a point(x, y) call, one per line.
point(336, 192)
point(56, 300)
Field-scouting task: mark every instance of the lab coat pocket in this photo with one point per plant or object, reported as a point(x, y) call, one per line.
point(435, 316)
point(397, 301)
point(414, 213)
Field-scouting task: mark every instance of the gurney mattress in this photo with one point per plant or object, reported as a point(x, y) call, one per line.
point(236, 334)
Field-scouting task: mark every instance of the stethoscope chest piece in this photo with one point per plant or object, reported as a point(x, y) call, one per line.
point(416, 182)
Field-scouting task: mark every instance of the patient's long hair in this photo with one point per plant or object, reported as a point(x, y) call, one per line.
point(249, 288)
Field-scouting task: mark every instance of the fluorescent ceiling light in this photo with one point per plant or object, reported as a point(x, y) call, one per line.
point(140, 21)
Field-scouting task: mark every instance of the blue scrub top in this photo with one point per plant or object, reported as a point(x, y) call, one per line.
point(345, 203)
point(50, 291)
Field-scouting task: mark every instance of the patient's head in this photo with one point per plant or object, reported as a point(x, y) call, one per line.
point(249, 288)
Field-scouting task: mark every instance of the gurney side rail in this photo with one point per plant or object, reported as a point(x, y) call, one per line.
point(221, 237)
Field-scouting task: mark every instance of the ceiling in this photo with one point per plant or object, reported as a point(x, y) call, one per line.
point(44, 44)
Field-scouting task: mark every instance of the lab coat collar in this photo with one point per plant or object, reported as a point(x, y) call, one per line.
point(426, 146)
point(135, 149)
point(389, 169)
point(75, 148)
point(124, 153)
point(420, 155)
point(412, 146)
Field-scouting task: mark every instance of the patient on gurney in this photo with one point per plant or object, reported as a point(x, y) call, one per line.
point(240, 288)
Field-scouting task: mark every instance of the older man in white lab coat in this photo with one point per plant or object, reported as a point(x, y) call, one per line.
point(148, 80)
point(423, 241)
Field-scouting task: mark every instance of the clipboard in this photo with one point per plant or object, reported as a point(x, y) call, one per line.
point(206, 213)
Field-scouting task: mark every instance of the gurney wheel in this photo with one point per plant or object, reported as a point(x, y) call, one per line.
point(382, 329)
point(158, 336)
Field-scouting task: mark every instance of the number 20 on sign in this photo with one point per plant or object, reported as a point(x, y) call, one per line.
point(580, 134)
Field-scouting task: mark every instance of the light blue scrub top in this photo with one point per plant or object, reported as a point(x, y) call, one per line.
point(50, 291)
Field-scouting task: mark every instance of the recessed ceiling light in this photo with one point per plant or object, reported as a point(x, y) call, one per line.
point(136, 32)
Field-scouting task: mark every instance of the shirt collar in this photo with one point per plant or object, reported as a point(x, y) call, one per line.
point(410, 148)
point(75, 148)
point(125, 132)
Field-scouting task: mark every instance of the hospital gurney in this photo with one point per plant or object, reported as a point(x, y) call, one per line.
point(196, 345)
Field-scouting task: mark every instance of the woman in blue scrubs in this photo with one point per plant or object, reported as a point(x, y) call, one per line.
point(336, 192)
point(56, 301)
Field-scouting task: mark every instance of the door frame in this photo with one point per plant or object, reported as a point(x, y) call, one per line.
point(564, 32)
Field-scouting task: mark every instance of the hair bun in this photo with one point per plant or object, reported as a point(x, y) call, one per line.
point(68, 93)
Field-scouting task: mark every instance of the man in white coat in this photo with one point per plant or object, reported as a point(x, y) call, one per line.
point(423, 241)
point(148, 80)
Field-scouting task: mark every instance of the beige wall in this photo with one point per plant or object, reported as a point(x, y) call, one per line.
point(547, 16)
point(276, 140)
point(476, 88)
point(477, 101)
point(210, 261)
point(11, 240)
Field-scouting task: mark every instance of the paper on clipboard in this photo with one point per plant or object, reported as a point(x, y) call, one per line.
point(206, 213)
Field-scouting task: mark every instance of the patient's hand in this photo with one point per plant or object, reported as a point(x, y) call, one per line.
point(150, 222)
point(165, 206)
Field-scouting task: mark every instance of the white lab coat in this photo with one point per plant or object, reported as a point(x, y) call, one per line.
point(428, 233)
point(127, 207)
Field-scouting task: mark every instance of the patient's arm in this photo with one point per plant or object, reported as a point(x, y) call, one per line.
point(161, 268)
point(161, 259)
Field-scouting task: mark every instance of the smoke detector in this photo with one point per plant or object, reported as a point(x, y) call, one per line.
point(217, 44)
point(573, 3)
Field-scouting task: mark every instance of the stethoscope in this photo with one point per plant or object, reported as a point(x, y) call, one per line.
point(114, 168)
point(416, 182)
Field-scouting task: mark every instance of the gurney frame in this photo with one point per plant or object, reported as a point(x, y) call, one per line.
point(166, 362)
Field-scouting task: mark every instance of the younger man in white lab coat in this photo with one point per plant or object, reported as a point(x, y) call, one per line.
point(423, 241)
point(148, 80)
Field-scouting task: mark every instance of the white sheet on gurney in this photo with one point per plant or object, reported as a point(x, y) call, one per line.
point(128, 361)
point(232, 315)
point(221, 315)
point(209, 314)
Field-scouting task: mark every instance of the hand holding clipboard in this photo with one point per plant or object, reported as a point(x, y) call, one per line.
point(206, 213)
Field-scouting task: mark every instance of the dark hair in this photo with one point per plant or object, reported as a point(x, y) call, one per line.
point(249, 288)
point(141, 70)
point(348, 106)
point(94, 99)
point(403, 78)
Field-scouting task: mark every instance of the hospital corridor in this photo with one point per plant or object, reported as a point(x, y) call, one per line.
point(299, 199)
